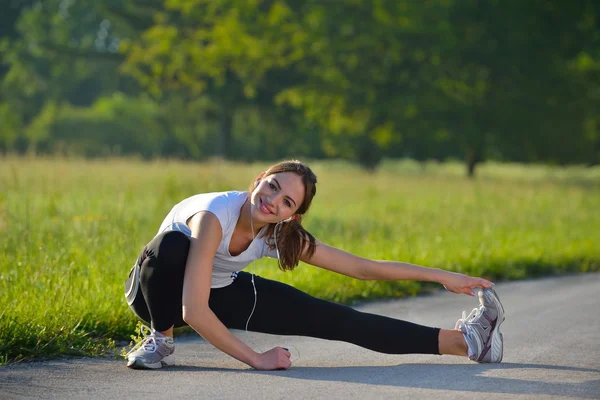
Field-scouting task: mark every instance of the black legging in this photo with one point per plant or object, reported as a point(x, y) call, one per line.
point(280, 309)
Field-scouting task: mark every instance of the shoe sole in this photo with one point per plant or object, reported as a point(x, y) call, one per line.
point(497, 347)
point(138, 363)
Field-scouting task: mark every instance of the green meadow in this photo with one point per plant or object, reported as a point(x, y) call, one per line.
point(70, 230)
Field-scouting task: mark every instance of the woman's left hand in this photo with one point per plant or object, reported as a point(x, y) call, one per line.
point(459, 283)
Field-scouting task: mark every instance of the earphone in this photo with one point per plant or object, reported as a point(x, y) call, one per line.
point(252, 274)
point(275, 234)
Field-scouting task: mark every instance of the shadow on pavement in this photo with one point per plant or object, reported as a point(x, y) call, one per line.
point(506, 378)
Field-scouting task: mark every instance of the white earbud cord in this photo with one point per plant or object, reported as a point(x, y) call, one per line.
point(254, 286)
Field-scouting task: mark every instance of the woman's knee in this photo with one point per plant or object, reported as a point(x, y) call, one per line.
point(171, 246)
point(165, 254)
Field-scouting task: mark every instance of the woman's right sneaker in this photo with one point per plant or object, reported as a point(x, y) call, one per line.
point(481, 328)
point(154, 351)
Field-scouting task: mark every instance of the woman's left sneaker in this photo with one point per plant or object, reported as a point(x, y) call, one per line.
point(154, 351)
point(481, 328)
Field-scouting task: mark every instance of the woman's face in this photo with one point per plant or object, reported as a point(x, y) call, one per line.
point(277, 197)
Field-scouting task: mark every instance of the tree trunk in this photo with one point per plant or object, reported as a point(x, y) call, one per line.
point(472, 160)
point(369, 154)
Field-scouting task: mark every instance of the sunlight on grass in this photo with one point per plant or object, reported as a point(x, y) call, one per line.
point(71, 230)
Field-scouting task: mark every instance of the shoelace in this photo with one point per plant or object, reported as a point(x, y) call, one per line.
point(148, 342)
point(474, 314)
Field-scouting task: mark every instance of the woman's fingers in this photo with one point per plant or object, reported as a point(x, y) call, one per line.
point(466, 285)
point(276, 358)
point(484, 283)
point(285, 361)
point(480, 283)
point(286, 352)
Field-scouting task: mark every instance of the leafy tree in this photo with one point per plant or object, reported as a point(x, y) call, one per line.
point(59, 52)
point(362, 79)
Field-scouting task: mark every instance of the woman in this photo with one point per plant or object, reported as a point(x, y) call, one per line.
point(188, 275)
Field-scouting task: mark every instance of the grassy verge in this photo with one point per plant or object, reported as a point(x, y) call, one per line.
point(71, 229)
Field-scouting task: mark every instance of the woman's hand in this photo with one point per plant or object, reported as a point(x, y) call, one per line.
point(459, 283)
point(276, 358)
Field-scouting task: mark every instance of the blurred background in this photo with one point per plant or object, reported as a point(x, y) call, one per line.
point(360, 80)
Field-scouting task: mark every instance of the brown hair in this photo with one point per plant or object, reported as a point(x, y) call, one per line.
point(292, 238)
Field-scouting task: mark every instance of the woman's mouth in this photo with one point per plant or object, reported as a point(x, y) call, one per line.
point(264, 208)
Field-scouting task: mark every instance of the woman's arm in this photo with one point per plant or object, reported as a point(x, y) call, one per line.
point(206, 236)
point(342, 262)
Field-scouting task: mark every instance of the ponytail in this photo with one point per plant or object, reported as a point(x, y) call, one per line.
point(293, 241)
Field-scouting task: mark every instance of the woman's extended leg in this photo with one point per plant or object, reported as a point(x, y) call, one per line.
point(452, 342)
point(284, 310)
point(281, 309)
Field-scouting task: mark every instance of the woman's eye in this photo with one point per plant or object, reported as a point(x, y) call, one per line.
point(287, 203)
point(271, 185)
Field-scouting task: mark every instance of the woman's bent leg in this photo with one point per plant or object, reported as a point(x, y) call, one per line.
point(162, 268)
point(284, 310)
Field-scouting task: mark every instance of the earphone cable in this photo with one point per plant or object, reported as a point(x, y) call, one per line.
point(254, 285)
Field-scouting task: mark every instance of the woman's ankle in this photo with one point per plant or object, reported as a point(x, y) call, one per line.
point(168, 332)
point(452, 342)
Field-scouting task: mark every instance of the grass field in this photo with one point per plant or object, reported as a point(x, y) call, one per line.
point(71, 229)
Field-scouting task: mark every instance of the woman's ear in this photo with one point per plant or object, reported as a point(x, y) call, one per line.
point(295, 217)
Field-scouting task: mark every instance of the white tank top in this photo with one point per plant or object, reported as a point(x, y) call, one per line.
point(226, 207)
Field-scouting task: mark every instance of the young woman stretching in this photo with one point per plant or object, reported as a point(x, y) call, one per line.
point(188, 275)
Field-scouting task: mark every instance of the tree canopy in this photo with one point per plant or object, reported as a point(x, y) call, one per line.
point(266, 79)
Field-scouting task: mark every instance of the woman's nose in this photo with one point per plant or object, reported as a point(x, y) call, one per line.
point(270, 199)
point(273, 199)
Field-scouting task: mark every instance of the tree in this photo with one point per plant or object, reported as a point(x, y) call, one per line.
point(57, 52)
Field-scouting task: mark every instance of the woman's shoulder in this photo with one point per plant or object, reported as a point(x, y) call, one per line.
point(230, 199)
point(215, 197)
point(225, 205)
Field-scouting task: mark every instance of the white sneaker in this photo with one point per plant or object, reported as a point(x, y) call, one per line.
point(154, 351)
point(481, 328)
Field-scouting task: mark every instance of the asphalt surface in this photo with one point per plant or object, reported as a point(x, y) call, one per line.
point(551, 350)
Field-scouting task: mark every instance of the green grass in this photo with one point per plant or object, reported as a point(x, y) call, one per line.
point(71, 229)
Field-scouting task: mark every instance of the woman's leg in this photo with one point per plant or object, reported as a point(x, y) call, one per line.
point(284, 310)
point(452, 341)
point(281, 309)
point(162, 267)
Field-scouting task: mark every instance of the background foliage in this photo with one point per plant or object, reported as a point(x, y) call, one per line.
point(362, 80)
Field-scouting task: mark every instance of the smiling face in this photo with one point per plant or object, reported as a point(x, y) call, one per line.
point(277, 197)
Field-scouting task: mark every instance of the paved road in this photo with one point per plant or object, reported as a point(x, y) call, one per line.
point(552, 350)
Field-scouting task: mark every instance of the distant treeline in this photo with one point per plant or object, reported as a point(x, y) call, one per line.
point(267, 79)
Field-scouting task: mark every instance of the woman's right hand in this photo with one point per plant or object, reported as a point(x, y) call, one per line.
point(276, 358)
